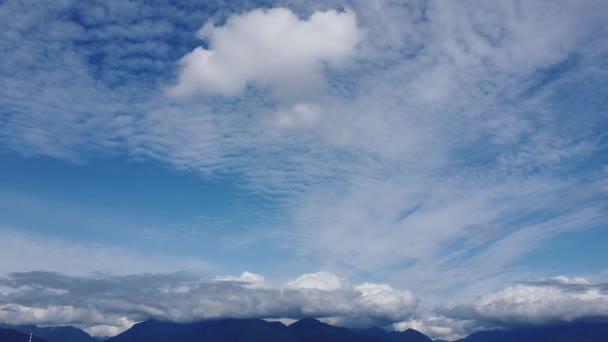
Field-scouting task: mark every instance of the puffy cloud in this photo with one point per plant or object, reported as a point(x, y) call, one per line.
point(323, 281)
point(381, 300)
point(108, 304)
point(271, 48)
point(120, 325)
point(559, 299)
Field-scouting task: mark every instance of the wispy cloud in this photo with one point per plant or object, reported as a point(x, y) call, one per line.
point(33, 252)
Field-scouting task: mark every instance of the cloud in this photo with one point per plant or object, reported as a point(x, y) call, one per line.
point(110, 303)
point(323, 281)
point(300, 115)
point(547, 301)
point(556, 300)
point(440, 327)
point(273, 48)
point(248, 279)
point(382, 301)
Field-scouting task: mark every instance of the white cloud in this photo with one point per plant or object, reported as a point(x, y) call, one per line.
point(546, 301)
point(323, 281)
point(300, 115)
point(559, 299)
point(251, 280)
point(381, 300)
point(119, 325)
point(439, 327)
point(271, 48)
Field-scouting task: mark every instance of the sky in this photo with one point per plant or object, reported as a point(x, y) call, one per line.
point(428, 164)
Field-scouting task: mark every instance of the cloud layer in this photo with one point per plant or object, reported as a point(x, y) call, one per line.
point(554, 300)
point(550, 301)
point(108, 303)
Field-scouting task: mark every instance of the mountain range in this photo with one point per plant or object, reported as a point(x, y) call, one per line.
point(574, 332)
point(305, 330)
point(251, 330)
point(49, 334)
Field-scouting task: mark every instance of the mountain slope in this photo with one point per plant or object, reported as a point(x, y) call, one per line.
point(12, 335)
point(312, 330)
point(409, 335)
point(218, 330)
point(577, 332)
point(54, 334)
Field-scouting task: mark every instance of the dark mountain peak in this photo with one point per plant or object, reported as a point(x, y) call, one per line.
point(307, 323)
point(277, 324)
point(414, 335)
point(409, 335)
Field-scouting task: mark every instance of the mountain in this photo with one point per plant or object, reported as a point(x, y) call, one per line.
point(218, 330)
point(409, 335)
point(12, 335)
point(54, 334)
point(252, 330)
point(575, 332)
point(310, 329)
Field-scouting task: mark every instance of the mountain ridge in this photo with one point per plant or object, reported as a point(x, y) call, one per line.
point(53, 333)
point(236, 330)
point(572, 332)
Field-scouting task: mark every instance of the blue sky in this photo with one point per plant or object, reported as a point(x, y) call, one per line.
point(440, 160)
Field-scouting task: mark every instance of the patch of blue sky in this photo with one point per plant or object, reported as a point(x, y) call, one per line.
point(581, 253)
point(137, 204)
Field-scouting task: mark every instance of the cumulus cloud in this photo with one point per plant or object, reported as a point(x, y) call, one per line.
point(378, 305)
point(110, 303)
point(323, 281)
point(381, 300)
point(273, 48)
point(553, 300)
